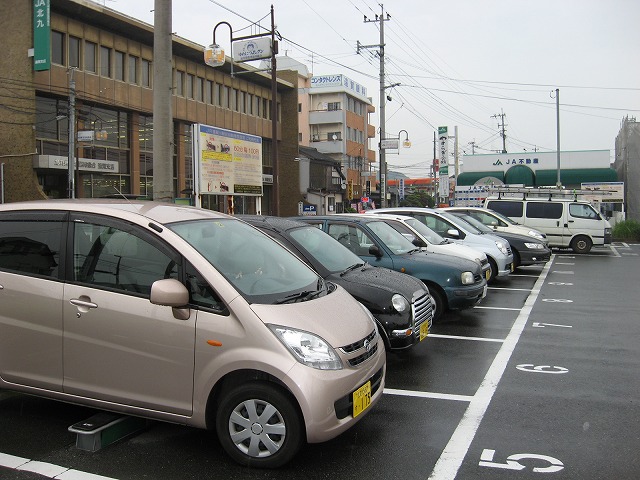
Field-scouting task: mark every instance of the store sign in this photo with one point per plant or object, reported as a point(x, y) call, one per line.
point(84, 164)
point(389, 143)
point(443, 138)
point(41, 35)
point(253, 49)
point(230, 162)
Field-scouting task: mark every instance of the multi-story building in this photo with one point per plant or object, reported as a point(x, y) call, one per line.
point(110, 58)
point(627, 165)
point(333, 118)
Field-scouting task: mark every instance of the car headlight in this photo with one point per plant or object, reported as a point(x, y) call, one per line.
point(467, 278)
point(533, 233)
point(534, 246)
point(399, 303)
point(307, 348)
point(502, 247)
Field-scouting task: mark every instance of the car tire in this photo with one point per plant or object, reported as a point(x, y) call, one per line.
point(494, 270)
point(438, 303)
point(581, 244)
point(259, 425)
point(516, 258)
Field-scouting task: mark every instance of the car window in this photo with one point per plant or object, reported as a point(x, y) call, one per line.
point(394, 240)
point(352, 237)
point(426, 232)
point(201, 294)
point(544, 210)
point(31, 247)
point(107, 257)
point(507, 207)
point(581, 210)
point(324, 248)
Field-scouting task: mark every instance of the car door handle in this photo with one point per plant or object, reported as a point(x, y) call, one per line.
point(82, 303)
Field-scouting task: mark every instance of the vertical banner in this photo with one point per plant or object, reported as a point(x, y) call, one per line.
point(443, 138)
point(401, 189)
point(41, 35)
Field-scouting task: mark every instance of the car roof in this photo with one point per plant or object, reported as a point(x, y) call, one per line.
point(160, 212)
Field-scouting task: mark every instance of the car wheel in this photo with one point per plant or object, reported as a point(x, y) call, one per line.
point(516, 258)
point(258, 425)
point(494, 270)
point(581, 244)
point(437, 302)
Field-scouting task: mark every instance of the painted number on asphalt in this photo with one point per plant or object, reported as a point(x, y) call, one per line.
point(542, 325)
point(557, 300)
point(530, 367)
point(561, 283)
point(512, 463)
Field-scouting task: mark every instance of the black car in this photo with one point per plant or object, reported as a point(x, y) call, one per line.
point(527, 250)
point(400, 303)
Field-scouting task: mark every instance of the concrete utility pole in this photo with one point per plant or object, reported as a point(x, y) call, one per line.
point(163, 189)
point(558, 182)
point(380, 47)
point(503, 133)
point(72, 136)
point(274, 118)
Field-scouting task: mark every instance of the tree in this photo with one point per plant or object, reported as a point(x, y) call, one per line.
point(418, 199)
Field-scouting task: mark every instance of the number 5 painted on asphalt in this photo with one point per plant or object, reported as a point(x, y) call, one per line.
point(486, 460)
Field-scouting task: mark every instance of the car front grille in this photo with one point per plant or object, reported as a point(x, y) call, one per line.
point(368, 345)
point(422, 312)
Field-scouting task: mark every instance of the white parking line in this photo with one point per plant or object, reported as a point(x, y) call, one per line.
point(453, 454)
point(46, 469)
point(457, 337)
point(439, 396)
point(499, 308)
point(513, 289)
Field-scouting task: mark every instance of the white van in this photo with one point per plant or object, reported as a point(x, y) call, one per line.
point(566, 222)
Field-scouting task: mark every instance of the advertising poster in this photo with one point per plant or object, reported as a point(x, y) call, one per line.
point(443, 138)
point(230, 163)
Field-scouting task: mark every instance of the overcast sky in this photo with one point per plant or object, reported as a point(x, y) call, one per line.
point(459, 63)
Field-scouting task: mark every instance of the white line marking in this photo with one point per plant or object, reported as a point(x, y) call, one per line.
point(498, 308)
point(457, 337)
point(513, 289)
point(46, 469)
point(518, 275)
point(453, 454)
point(439, 396)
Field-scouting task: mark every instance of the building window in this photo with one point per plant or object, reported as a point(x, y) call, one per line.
point(57, 47)
point(226, 100)
point(119, 67)
point(199, 83)
point(333, 106)
point(105, 62)
point(299, 107)
point(133, 70)
point(179, 83)
point(241, 102)
point(189, 86)
point(145, 73)
point(234, 100)
point(74, 52)
point(90, 56)
point(208, 92)
point(250, 103)
point(217, 94)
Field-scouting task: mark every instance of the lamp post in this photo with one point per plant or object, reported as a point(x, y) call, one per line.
point(214, 57)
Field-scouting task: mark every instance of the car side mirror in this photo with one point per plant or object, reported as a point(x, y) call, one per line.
point(418, 242)
point(453, 233)
point(375, 251)
point(169, 292)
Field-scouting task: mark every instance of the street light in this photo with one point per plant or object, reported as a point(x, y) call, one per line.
point(214, 56)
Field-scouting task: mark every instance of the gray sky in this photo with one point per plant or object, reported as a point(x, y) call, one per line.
point(459, 63)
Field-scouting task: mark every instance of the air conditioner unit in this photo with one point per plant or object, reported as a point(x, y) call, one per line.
point(315, 137)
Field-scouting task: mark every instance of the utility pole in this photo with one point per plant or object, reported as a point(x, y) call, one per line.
point(455, 153)
point(162, 89)
point(72, 136)
point(274, 117)
point(503, 133)
point(558, 182)
point(473, 147)
point(380, 47)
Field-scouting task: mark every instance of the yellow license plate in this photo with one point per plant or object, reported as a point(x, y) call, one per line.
point(424, 330)
point(487, 274)
point(361, 399)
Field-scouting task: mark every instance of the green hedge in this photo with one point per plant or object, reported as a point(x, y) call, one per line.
point(626, 230)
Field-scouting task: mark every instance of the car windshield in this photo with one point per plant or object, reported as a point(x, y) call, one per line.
point(334, 256)
point(394, 240)
point(429, 235)
point(460, 222)
point(475, 223)
point(257, 266)
point(504, 218)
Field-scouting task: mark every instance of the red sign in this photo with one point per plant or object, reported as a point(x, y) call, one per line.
point(364, 199)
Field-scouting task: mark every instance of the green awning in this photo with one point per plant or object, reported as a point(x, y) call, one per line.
point(575, 176)
point(520, 175)
point(471, 178)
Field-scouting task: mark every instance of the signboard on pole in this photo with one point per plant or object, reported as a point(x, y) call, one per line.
point(253, 49)
point(41, 35)
point(229, 162)
point(443, 139)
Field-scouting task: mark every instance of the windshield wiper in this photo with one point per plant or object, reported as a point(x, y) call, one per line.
point(303, 295)
point(352, 267)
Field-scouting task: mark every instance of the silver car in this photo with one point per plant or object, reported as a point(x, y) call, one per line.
point(185, 315)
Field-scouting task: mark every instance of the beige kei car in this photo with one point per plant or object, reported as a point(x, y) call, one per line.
point(185, 315)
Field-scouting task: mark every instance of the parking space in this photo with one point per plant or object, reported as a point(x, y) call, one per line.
point(539, 380)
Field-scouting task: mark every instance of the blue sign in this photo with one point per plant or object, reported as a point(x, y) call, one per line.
point(309, 210)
